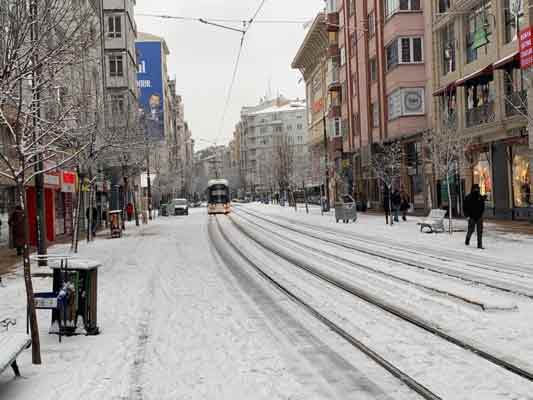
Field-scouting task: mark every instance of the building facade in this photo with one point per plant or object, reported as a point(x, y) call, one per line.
point(273, 145)
point(480, 90)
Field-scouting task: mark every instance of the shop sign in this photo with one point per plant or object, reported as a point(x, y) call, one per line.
point(45, 300)
point(68, 184)
point(51, 179)
point(480, 38)
point(525, 44)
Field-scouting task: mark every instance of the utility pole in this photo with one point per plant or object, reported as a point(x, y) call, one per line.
point(39, 166)
point(149, 183)
point(326, 188)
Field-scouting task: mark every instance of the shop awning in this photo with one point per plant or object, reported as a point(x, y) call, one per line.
point(480, 72)
point(513, 57)
point(445, 89)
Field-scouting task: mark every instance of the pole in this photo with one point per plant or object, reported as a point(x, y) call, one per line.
point(149, 183)
point(305, 197)
point(326, 189)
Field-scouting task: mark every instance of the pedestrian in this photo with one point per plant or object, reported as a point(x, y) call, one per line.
point(16, 224)
point(386, 204)
point(92, 221)
point(405, 204)
point(396, 204)
point(474, 207)
point(129, 211)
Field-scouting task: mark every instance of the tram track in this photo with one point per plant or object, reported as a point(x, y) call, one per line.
point(389, 308)
point(500, 286)
point(438, 254)
point(403, 377)
point(373, 270)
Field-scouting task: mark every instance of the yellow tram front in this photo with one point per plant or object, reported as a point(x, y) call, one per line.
point(218, 197)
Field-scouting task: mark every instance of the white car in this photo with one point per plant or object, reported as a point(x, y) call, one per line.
point(181, 206)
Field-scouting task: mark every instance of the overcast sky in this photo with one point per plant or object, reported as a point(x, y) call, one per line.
point(202, 57)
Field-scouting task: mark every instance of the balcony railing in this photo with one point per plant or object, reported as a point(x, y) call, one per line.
point(449, 120)
point(483, 114)
point(333, 80)
point(516, 103)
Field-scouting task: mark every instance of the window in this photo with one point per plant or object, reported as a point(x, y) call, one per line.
point(114, 28)
point(278, 129)
point(405, 50)
point(331, 6)
point(373, 70)
point(289, 127)
point(393, 6)
point(405, 102)
point(444, 5)
point(374, 109)
point(263, 129)
point(300, 139)
point(513, 12)
point(115, 65)
point(478, 32)
point(299, 126)
point(448, 44)
point(343, 56)
point(117, 103)
point(371, 24)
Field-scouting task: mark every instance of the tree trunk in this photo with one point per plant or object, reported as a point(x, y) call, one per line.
point(135, 209)
point(305, 198)
point(390, 207)
point(79, 214)
point(34, 328)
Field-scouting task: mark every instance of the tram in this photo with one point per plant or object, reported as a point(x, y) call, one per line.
point(218, 197)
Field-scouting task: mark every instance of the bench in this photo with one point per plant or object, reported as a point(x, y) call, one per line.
point(434, 221)
point(11, 345)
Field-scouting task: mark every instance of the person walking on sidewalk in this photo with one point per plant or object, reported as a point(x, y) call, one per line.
point(92, 219)
point(405, 204)
point(396, 204)
point(474, 207)
point(16, 224)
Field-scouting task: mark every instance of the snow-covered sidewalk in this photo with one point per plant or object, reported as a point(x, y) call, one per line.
point(172, 327)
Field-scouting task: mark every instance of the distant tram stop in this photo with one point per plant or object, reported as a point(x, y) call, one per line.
point(74, 297)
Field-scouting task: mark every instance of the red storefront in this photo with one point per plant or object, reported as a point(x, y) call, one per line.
point(58, 198)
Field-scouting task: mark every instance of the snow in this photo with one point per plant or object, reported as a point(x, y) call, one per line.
point(11, 344)
point(183, 316)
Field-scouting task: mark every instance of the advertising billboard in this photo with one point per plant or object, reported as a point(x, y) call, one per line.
point(150, 84)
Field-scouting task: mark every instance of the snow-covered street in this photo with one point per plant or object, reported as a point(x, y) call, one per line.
point(269, 303)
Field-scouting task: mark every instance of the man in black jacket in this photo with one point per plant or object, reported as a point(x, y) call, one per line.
point(474, 207)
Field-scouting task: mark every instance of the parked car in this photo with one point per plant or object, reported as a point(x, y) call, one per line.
point(181, 206)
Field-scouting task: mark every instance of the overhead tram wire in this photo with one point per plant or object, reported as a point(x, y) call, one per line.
point(222, 20)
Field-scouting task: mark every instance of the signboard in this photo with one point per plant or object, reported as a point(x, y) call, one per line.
point(525, 44)
point(150, 84)
point(68, 182)
point(480, 38)
point(45, 301)
point(51, 179)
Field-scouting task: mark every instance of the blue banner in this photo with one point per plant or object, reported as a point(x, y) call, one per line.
point(150, 84)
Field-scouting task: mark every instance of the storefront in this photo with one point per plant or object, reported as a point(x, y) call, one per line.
point(521, 180)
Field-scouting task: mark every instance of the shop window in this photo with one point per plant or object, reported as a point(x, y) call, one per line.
point(521, 177)
point(483, 176)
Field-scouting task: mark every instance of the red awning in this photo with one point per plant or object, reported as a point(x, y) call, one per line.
point(513, 57)
point(445, 89)
point(483, 71)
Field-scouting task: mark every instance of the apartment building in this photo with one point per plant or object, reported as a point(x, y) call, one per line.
point(323, 110)
point(378, 49)
point(273, 145)
point(480, 91)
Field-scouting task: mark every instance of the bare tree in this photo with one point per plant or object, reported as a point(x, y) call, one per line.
point(283, 162)
point(446, 152)
point(386, 164)
point(39, 47)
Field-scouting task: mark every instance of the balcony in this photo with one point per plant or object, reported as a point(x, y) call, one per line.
point(480, 115)
point(333, 50)
point(516, 103)
point(449, 121)
point(333, 79)
point(334, 111)
point(333, 21)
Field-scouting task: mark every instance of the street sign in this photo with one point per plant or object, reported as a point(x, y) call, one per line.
point(45, 301)
point(526, 47)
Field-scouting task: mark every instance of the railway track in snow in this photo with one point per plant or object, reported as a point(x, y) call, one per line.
point(499, 285)
point(389, 308)
point(410, 382)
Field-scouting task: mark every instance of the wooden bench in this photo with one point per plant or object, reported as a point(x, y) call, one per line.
point(11, 345)
point(434, 221)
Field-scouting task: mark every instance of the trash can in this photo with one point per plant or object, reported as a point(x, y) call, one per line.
point(115, 223)
point(75, 285)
